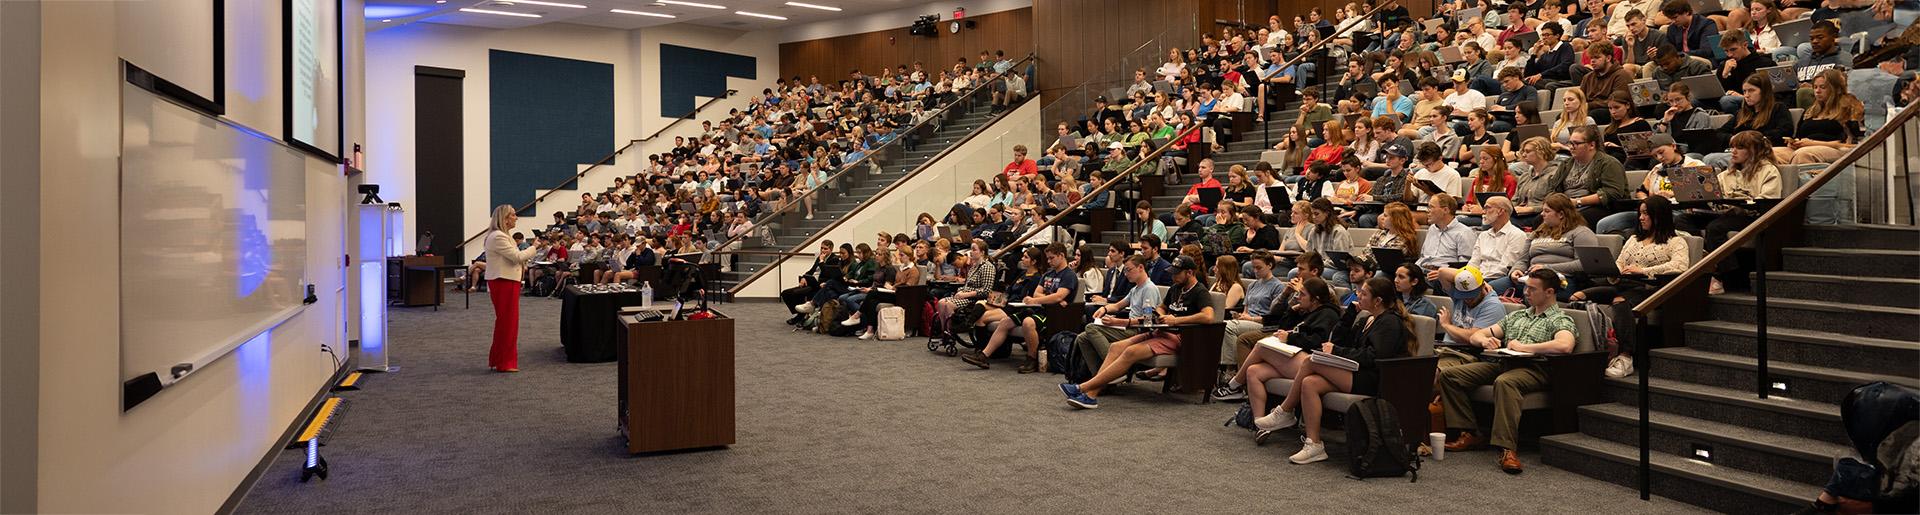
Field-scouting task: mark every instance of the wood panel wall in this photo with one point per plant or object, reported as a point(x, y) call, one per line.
point(1078, 39)
point(832, 58)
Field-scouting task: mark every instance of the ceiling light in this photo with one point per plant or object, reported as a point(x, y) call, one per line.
point(502, 13)
point(690, 4)
point(643, 13)
point(812, 6)
point(386, 21)
point(758, 15)
point(549, 4)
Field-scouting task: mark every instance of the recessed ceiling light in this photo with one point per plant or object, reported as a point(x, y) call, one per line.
point(549, 4)
point(690, 4)
point(758, 15)
point(643, 13)
point(501, 13)
point(386, 21)
point(812, 6)
point(439, 1)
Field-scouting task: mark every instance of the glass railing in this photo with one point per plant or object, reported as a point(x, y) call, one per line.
point(1075, 103)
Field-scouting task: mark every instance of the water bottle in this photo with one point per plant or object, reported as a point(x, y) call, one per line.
point(646, 294)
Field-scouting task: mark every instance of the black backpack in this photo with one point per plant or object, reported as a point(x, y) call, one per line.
point(1375, 445)
point(1060, 352)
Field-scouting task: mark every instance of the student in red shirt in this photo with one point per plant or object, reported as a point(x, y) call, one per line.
point(1020, 165)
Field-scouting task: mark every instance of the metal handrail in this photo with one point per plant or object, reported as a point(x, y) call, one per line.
point(1755, 232)
point(1103, 188)
point(602, 161)
point(1266, 123)
point(848, 168)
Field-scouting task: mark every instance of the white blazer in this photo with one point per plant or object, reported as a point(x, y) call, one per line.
point(504, 259)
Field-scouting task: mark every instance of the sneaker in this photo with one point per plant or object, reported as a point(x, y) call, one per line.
point(1715, 287)
point(1029, 366)
point(1277, 419)
point(1070, 389)
point(1260, 437)
point(809, 216)
point(1620, 366)
point(1230, 393)
point(975, 358)
point(797, 319)
point(866, 335)
point(804, 309)
point(1082, 401)
point(851, 321)
point(1309, 453)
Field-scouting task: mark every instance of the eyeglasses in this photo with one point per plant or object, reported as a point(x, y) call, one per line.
point(1577, 142)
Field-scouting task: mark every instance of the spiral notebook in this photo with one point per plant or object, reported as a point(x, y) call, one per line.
point(1274, 344)
point(1335, 361)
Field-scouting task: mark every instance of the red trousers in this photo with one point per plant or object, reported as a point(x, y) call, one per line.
point(505, 294)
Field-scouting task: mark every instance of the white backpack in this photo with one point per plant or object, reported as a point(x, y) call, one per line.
point(893, 323)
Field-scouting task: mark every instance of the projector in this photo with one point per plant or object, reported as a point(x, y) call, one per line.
point(927, 26)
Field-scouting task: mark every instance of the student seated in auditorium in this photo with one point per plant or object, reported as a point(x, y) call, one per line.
point(981, 272)
point(1385, 331)
point(1550, 246)
point(1055, 287)
point(1186, 302)
point(1750, 175)
point(1655, 250)
point(1262, 296)
point(1592, 180)
point(1447, 240)
point(1392, 186)
point(1541, 328)
point(1666, 158)
point(1138, 302)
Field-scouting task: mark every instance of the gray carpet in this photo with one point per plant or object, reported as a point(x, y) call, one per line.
point(834, 425)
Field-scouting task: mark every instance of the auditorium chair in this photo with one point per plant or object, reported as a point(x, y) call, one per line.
point(1407, 382)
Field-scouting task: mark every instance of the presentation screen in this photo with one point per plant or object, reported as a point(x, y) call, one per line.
point(213, 237)
point(313, 75)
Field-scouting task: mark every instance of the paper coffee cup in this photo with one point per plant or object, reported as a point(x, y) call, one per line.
point(1438, 441)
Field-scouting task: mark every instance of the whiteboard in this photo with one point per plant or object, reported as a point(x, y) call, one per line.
point(213, 231)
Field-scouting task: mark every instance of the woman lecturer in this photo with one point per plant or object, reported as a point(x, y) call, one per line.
point(506, 261)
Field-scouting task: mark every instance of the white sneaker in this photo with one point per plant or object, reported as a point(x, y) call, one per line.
point(1620, 366)
point(1277, 419)
point(1309, 453)
point(1715, 287)
point(851, 321)
point(809, 216)
point(805, 308)
point(866, 335)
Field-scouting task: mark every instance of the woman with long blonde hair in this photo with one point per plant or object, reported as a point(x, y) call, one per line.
point(1829, 127)
point(505, 264)
point(1573, 113)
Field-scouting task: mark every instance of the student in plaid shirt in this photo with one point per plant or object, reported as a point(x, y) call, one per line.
point(1542, 328)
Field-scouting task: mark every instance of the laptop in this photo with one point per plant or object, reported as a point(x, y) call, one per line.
point(1525, 40)
point(1210, 197)
point(1694, 184)
point(1278, 196)
point(1793, 32)
point(1596, 260)
point(1451, 55)
point(1646, 92)
point(1704, 86)
point(1388, 258)
point(1783, 77)
point(1465, 16)
point(1484, 196)
point(1337, 260)
point(1432, 23)
point(1529, 131)
point(1637, 144)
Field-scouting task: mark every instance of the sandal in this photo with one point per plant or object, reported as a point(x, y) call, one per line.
point(1148, 375)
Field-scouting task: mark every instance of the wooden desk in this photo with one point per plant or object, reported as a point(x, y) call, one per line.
point(676, 384)
point(413, 281)
point(1199, 357)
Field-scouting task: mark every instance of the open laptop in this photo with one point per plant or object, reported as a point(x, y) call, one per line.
point(1783, 77)
point(1388, 258)
point(1694, 184)
point(1525, 40)
point(1793, 32)
point(1464, 16)
point(1529, 131)
point(1432, 23)
point(1704, 86)
point(1596, 260)
point(1637, 144)
point(1210, 197)
point(1646, 92)
point(1483, 196)
point(1279, 196)
point(1451, 55)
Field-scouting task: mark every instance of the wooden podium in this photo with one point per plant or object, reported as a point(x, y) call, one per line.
point(676, 383)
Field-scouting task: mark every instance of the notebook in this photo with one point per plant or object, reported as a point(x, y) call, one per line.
point(1503, 351)
point(1330, 360)
point(1274, 344)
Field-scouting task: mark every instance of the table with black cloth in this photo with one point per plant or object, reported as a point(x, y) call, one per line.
point(587, 323)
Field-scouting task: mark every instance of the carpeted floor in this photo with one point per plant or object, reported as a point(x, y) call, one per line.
point(834, 425)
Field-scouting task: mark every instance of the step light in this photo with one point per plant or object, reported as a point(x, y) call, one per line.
point(1779, 387)
point(1702, 453)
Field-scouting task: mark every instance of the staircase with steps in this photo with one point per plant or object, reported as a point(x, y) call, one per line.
point(1843, 311)
point(861, 186)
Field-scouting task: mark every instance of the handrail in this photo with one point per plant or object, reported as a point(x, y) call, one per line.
point(1103, 188)
point(795, 202)
point(1266, 123)
point(1779, 212)
point(596, 164)
point(1131, 170)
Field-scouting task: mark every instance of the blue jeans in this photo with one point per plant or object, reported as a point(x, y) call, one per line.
point(1499, 126)
point(852, 301)
point(1831, 204)
point(1617, 223)
point(1731, 103)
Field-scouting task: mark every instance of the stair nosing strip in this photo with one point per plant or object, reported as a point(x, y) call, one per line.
point(1789, 368)
point(1657, 459)
point(1776, 447)
point(1816, 305)
point(1804, 335)
point(1773, 404)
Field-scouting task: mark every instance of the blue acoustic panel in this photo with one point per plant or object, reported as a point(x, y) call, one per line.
point(548, 116)
point(686, 73)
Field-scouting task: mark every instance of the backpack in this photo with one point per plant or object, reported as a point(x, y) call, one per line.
point(892, 325)
point(1375, 446)
point(1243, 418)
point(928, 313)
point(1058, 347)
point(1075, 366)
point(544, 286)
point(829, 316)
point(1601, 318)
